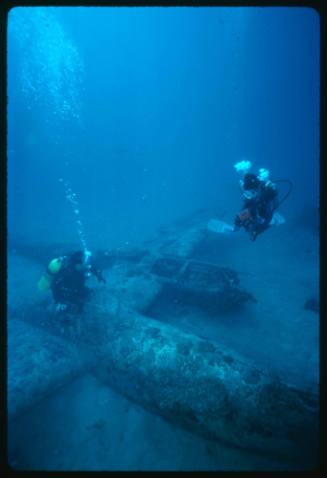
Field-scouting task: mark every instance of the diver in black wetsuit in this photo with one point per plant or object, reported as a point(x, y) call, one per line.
point(66, 277)
point(260, 201)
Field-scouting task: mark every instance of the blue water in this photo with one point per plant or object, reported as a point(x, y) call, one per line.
point(142, 113)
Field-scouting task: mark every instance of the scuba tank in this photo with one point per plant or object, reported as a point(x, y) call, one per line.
point(46, 279)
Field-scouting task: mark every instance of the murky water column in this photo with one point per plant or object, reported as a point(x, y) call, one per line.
point(51, 71)
point(72, 199)
point(235, 24)
point(50, 75)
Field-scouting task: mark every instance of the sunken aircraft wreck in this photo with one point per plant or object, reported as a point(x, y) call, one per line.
point(193, 382)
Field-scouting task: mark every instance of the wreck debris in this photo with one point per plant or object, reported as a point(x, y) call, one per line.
point(194, 383)
point(201, 283)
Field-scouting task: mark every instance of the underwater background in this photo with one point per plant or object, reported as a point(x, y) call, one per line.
point(124, 121)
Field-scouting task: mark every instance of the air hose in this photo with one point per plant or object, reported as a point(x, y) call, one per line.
point(288, 192)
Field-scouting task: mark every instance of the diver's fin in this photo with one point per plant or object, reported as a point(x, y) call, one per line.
point(221, 227)
point(277, 219)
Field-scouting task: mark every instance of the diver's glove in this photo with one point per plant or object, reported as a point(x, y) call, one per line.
point(237, 221)
point(98, 275)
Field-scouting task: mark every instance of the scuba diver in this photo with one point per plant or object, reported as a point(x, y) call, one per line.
point(66, 277)
point(260, 202)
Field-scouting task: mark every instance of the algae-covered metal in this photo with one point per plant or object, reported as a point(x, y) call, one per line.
point(198, 385)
